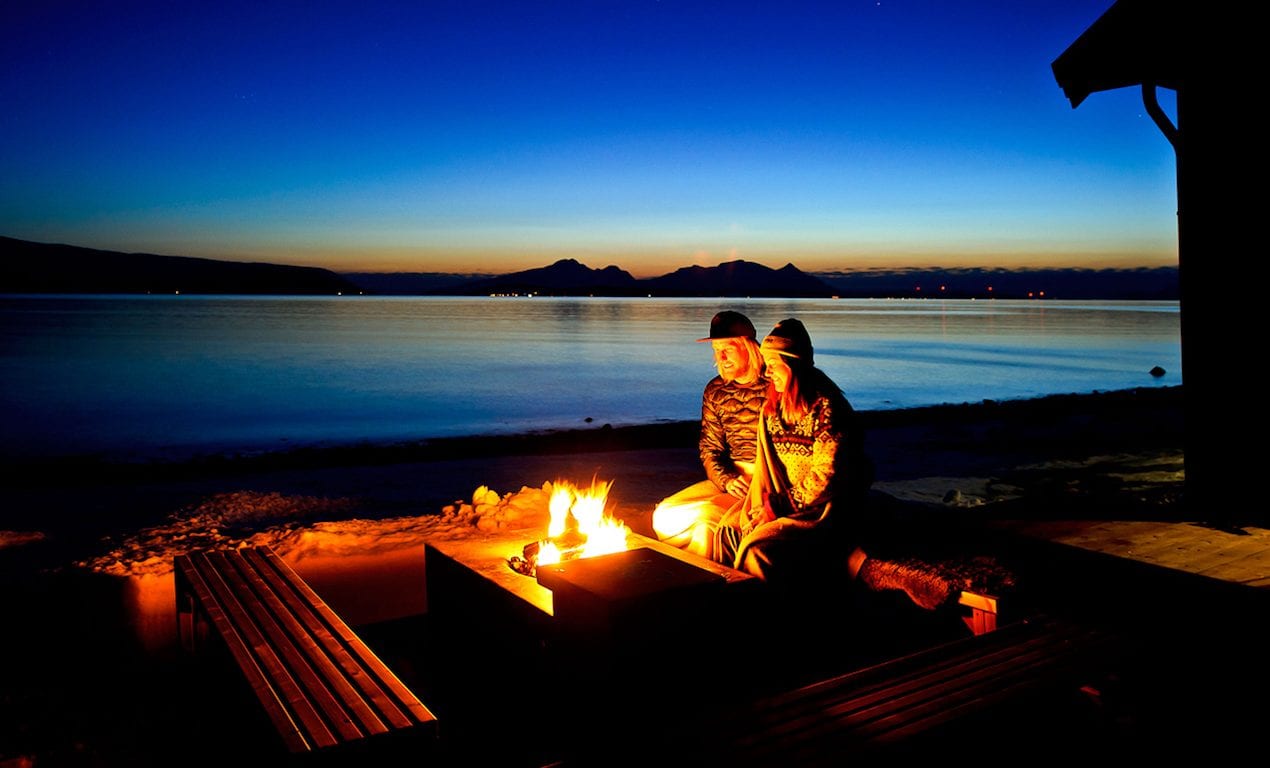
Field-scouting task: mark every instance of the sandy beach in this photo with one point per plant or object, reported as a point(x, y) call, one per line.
point(86, 562)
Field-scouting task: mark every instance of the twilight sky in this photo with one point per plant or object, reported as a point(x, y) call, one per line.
point(498, 136)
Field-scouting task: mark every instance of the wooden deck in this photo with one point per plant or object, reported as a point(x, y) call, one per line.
point(1233, 557)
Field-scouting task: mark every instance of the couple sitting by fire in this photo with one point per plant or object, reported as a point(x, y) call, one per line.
point(784, 457)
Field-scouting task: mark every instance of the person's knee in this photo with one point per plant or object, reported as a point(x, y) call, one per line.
point(671, 521)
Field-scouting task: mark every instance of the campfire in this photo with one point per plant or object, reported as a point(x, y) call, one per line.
point(578, 527)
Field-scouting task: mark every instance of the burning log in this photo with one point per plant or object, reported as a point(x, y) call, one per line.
point(578, 527)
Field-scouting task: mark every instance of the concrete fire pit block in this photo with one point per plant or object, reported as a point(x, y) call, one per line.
point(628, 627)
point(480, 609)
point(634, 609)
point(638, 585)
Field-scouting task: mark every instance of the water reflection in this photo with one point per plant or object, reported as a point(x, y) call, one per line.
point(169, 375)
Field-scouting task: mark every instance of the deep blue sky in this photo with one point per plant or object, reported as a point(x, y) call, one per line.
point(479, 136)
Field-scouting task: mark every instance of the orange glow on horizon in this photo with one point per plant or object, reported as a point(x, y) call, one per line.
point(655, 261)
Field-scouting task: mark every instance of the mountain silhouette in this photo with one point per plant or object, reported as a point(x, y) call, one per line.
point(29, 267)
point(738, 278)
point(566, 277)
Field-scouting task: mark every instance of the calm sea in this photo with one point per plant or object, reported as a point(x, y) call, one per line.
point(176, 376)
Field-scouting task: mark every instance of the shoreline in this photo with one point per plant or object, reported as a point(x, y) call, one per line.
point(1106, 453)
point(88, 469)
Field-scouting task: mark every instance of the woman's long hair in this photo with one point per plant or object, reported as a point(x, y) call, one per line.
point(806, 384)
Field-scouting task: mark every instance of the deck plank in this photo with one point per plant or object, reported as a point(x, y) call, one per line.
point(1238, 558)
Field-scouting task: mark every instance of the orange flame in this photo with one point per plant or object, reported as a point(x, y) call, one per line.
point(577, 515)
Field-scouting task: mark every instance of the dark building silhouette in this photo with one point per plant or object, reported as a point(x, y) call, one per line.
point(1152, 44)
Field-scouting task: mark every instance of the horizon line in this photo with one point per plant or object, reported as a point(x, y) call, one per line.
point(1076, 259)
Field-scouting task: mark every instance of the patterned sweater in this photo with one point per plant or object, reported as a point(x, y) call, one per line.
point(809, 451)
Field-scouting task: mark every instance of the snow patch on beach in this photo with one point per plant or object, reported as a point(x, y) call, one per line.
point(18, 538)
point(300, 527)
point(1135, 472)
point(960, 492)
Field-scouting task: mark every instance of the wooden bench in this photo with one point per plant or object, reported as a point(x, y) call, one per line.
point(983, 611)
point(972, 691)
point(319, 683)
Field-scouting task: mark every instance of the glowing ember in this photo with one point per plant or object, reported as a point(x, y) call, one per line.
point(578, 527)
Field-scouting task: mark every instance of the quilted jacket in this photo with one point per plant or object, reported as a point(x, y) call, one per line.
point(729, 424)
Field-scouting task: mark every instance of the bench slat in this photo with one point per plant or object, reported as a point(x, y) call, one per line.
point(356, 646)
point(990, 692)
point(319, 683)
point(945, 680)
point(390, 698)
point(296, 648)
point(295, 718)
point(896, 700)
point(328, 656)
point(912, 714)
point(194, 582)
point(921, 669)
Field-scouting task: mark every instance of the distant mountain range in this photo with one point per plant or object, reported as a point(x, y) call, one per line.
point(567, 277)
point(27, 267)
point(1141, 284)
